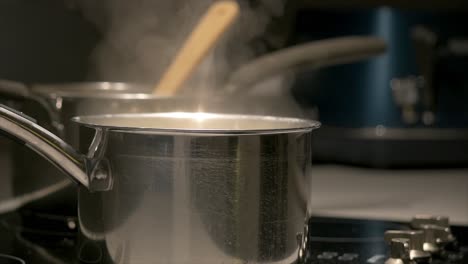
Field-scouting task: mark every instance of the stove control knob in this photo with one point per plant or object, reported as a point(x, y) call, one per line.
point(436, 238)
point(415, 243)
point(399, 251)
point(437, 232)
point(420, 220)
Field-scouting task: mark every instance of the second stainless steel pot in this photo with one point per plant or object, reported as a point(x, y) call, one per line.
point(185, 187)
point(52, 106)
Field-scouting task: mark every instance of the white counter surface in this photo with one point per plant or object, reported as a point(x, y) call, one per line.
point(353, 192)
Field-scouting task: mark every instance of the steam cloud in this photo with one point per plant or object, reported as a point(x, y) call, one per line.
point(140, 37)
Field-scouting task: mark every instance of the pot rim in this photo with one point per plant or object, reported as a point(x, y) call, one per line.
point(279, 125)
point(113, 90)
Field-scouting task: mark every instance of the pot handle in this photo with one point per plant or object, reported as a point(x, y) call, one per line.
point(14, 89)
point(21, 91)
point(48, 145)
point(315, 55)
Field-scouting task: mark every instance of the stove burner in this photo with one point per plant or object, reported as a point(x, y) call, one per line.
point(8, 259)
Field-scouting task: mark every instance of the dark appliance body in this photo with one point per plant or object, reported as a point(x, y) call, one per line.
point(406, 108)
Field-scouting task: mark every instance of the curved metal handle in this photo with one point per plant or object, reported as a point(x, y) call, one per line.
point(14, 89)
point(314, 55)
point(48, 145)
point(18, 90)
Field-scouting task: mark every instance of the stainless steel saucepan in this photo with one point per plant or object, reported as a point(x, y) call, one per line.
point(185, 187)
point(53, 105)
point(66, 101)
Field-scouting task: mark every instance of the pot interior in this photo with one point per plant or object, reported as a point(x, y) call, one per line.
point(198, 122)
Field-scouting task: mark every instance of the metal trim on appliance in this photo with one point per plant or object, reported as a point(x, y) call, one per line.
point(381, 132)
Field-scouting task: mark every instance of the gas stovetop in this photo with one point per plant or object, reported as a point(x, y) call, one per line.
point(335, 240)
point(54, 239)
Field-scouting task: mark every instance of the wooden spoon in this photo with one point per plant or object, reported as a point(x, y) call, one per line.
point(212, 25)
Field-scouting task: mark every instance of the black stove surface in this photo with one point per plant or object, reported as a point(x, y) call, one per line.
point(54, 239)
point(353, 241)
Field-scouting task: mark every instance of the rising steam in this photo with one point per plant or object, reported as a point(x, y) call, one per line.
point(140, 37)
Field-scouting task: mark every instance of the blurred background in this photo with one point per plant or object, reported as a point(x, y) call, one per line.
point(394, 135)
point(394, 140)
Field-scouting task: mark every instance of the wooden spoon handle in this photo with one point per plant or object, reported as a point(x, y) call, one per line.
point(212, 25)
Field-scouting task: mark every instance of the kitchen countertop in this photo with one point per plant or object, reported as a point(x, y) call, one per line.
point(342, 191)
